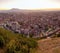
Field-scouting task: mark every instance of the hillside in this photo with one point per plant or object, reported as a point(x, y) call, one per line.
point(50, 45)
point(15, 43)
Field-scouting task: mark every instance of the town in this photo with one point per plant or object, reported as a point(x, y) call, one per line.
point(31, 24)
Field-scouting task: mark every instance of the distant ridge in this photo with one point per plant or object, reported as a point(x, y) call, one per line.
point(24, 10)
point(18, 10)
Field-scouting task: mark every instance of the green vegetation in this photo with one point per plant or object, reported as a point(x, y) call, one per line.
point(16, 43)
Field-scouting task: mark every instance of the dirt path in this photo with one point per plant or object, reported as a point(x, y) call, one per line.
point(48, 45)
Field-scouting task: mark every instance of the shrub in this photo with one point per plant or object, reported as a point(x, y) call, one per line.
point(2, 42)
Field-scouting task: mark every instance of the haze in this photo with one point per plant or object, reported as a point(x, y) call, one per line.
point(30, 4)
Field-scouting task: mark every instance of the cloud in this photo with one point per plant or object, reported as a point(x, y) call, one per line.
point(5, 1)
point(55, 0)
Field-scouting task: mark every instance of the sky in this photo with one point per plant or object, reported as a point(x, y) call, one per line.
point(30, 4)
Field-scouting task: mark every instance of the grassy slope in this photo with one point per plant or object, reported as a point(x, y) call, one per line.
point(12, 41)
point(50, 45)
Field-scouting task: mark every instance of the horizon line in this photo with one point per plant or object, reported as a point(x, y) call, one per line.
point(31, 9)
